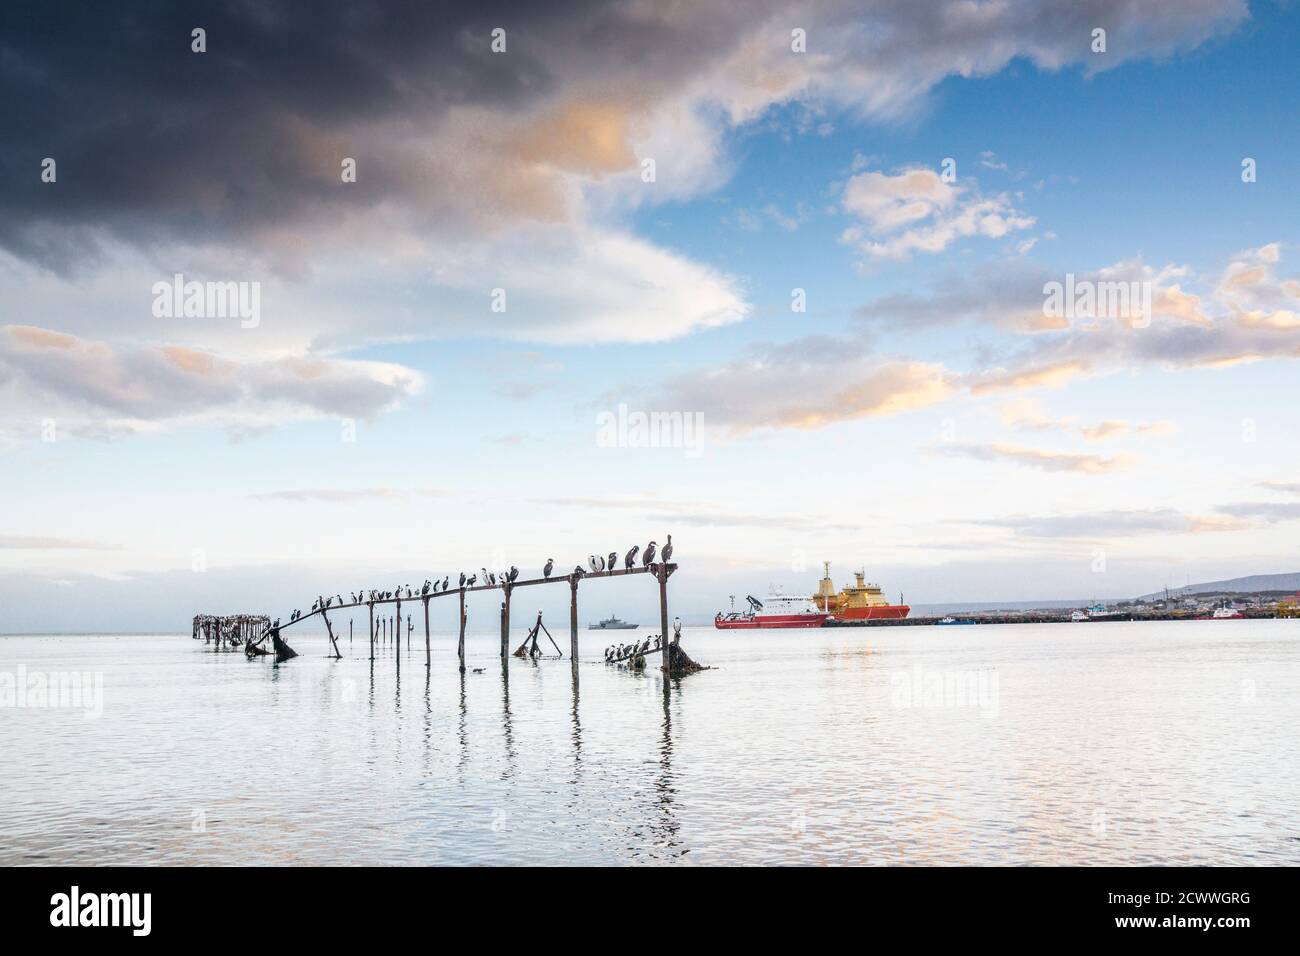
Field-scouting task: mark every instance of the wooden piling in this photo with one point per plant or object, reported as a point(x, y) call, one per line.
point(663, 619)
point(372, 630)
point(573, 618)
point(330, 631)
point(505, 624)
point(428, 660)
point(460, 644)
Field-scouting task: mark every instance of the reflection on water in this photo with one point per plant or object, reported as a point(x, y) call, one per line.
point(1129, 743)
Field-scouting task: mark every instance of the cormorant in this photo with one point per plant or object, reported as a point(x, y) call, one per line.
point(630, 559)
point(649, 554)
point(462, 579)
point(514, 574)
point(667, 554)
point(597, 564)
point(445, 581)
point(546, 568)
point(613, 560)
point(472, 579)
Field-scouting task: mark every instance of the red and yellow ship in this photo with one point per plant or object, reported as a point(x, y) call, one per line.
point(858, 602)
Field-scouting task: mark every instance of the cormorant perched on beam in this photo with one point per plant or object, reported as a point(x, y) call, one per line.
point(546, 568)
point(667, 554)
point(630, 559)
point(649, 555)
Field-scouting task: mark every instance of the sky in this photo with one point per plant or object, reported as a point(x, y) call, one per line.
point(814, 241)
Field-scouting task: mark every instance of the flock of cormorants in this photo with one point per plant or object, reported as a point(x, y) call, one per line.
point(598, 563)
point(601, 563)
point(621, 652)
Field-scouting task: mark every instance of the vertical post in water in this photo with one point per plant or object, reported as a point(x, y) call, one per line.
point(666, 653)
point(573, 618)
point(460, 644)
point(372, 630)
point(428, 661)
point(505, 624)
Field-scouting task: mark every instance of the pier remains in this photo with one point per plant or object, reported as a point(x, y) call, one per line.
point(230, 630)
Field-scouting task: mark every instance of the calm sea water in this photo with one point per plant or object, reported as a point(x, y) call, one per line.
point(1094, 743)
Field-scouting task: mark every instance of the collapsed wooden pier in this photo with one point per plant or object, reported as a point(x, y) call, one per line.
point(230, 630)
point(661, 572)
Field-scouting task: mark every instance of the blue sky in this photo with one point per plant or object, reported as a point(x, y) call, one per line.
point(910, 421)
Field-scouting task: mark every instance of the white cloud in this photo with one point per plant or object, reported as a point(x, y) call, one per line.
point(916, 211)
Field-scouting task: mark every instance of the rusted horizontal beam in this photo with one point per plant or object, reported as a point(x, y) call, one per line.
point(555, 579)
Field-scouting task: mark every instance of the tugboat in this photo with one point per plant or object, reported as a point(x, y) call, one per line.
point(779, 610)
point(612, 623)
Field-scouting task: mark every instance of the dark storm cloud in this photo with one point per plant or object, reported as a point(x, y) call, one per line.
point(152, 139)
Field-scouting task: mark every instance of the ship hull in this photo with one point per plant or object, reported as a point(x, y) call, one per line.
point(769, 621)
point(891, 611)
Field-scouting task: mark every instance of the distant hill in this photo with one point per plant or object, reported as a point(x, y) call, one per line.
point(1253, 582)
